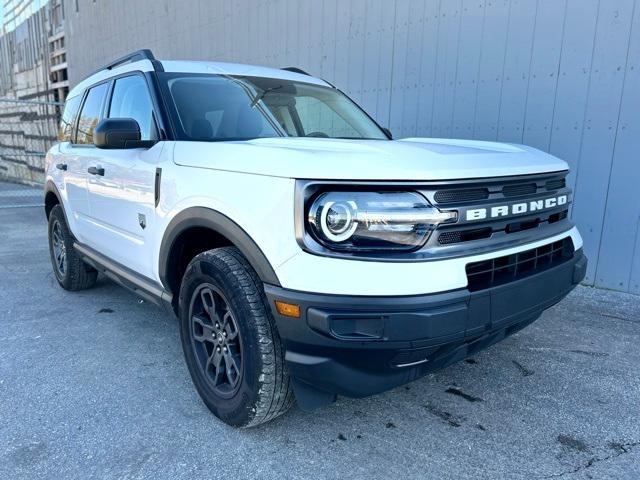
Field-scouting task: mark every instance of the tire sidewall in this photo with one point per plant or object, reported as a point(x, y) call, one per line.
point(236, 410)
point(57, 215)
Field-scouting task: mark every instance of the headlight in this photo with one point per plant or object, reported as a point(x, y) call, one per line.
point(373, 221)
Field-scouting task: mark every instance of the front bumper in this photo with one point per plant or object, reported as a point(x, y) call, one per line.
point(358, 346)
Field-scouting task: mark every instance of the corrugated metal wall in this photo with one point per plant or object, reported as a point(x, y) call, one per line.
point(560, 75)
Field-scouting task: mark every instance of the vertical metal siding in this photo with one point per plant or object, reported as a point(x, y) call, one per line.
point(543, 75)
point(560, 75)
point(619, 255)
point(371, 57)
point(401, 60)
point(468, 67)
point(446, 68)
point(601, 123)
point(491, 73)
point(573, 82)
point(414, 29)
point(515, 75)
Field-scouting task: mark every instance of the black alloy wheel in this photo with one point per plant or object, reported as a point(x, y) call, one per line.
point(59, 248)
point(216, 340)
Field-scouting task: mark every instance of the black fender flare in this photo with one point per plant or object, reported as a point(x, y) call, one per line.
point(220, 223)
point(51, 187)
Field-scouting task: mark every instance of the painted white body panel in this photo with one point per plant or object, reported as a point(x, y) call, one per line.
point(103, 210)
point(253, 182)
point(74, 181)
point(71, 185)
point(348, 277)
point(263, 207)
point(117, 200)
point(405, 160)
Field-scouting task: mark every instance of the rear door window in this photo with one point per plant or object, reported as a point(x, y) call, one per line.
point(91, 113)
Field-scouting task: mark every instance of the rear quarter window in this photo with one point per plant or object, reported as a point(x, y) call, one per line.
point(68, 118)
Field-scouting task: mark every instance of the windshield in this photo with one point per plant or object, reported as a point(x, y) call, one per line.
point(223, 107)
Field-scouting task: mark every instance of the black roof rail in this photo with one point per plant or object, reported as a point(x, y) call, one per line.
point(299, 70)
point(295, 70)
point(144, 54)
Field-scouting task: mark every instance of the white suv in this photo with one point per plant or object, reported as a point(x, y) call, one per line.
point(302, 248)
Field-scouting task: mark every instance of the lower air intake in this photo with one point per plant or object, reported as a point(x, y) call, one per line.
point(501, 270)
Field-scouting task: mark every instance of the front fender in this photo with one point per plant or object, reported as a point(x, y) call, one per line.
point(208, 218)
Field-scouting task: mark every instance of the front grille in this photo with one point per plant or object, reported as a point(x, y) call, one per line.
point(453, 236)
point(501, 270)
point(556, 184)
point(556, 217)
point(457, 195)
point(458, 236)
point(497, 189)
point(517, 190)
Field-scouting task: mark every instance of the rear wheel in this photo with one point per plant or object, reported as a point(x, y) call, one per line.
point(230, 342)
point(70, 271)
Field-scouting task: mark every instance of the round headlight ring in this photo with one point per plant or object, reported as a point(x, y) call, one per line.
point(337, 220)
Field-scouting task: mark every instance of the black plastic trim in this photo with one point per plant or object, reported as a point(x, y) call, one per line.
point(50, 187)
point(166, 130)
point(157, 183)
point(295, 70)
point(143, 54)
point(223, 225)
point(126, 277)
point(358, 345)
point(119, 133)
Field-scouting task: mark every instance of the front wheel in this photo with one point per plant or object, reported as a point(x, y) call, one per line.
point(230, 341)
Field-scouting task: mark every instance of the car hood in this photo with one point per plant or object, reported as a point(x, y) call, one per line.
point(334, 159)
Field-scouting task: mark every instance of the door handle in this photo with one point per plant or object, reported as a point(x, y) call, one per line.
point(96, 171)
point(61, 166)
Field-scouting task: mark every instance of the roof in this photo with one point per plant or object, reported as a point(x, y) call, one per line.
point(189, 66)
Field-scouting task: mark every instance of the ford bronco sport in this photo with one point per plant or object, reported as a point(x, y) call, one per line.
point(303, 249)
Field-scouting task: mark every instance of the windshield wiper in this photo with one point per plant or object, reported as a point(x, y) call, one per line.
point(259, 97)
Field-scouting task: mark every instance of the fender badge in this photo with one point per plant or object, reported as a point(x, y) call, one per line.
point(142, 220)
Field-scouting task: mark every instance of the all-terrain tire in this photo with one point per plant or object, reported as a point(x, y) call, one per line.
point(69, 269)
point(220, 284)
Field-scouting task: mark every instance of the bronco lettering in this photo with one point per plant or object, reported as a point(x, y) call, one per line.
point(515, 209)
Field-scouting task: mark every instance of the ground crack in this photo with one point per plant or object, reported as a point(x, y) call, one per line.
point(619, 448)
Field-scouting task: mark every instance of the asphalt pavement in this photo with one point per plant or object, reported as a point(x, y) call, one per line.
point(93, 385)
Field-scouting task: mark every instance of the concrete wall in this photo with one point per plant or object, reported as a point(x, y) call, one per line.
point(28, 114)
point(28, 128)
point(560, 75)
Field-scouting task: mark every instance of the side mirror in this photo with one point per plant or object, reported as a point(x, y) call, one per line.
point(119, 133)
point(387, 133)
